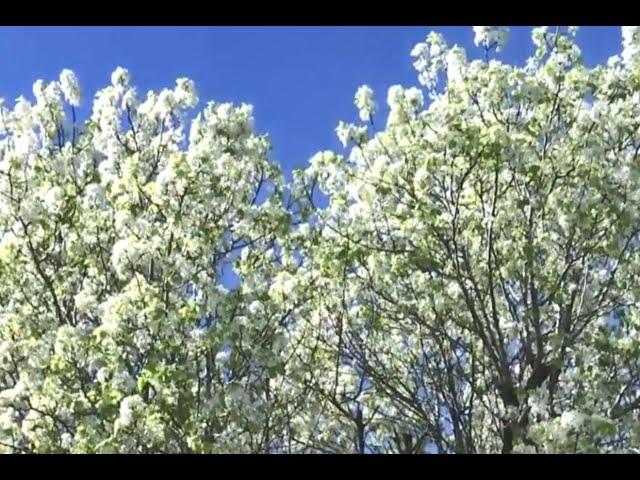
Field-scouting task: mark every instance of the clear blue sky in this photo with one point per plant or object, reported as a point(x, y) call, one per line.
point(301, 80)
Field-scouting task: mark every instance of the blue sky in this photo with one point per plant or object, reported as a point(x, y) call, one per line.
point(301, 80)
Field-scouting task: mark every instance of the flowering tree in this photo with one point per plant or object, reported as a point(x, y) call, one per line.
point(477, 265)
point(470, 286)
point(116, 333)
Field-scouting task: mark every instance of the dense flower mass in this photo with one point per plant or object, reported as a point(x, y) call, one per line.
point(113, 238)
point(478, 260)
point(470, 285)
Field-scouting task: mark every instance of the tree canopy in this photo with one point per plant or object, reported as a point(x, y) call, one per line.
point(468, 284)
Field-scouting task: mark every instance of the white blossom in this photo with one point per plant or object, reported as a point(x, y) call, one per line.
point(130, 408)
point(571, 419)
point(53, 199)
point(630, 45)
point(490, 37)
point(120, 77)
point(365, 103)
point(70, 87)
point(185, 92)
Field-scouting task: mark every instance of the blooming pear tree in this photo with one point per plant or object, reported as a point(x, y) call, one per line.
point(116, 331)
point(470, 285)
point(476, 267)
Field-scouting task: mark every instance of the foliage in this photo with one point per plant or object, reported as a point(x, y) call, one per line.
point(470, 286)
